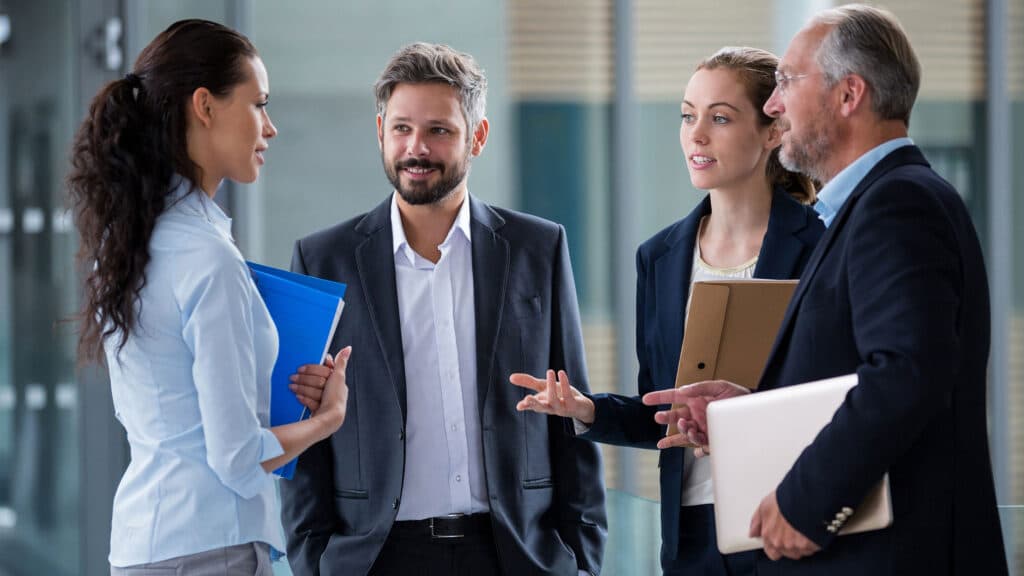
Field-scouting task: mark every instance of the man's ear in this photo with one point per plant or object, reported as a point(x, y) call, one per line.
point(853, 93)
point(480, 137)
point(380, 132)
point(202, 106)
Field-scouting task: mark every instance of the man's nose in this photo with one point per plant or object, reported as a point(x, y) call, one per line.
point(773, 107)
point(416, 145)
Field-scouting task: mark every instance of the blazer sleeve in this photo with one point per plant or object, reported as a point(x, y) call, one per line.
point(579, 485)
point(905, 295)
point(625, 420)
point(307, 510)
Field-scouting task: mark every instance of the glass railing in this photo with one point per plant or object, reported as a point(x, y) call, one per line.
point(1012, 519)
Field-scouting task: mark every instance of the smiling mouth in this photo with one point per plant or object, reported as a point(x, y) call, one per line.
point(417, 171)
point(701, 161)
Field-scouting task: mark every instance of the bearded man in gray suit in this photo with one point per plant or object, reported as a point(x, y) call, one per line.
point(435, 471)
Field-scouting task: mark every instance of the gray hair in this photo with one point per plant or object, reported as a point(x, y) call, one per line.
point(871, 43)
point(422, 63)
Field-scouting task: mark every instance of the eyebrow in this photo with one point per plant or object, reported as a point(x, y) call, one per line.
point(432, 122)
point(713, 105)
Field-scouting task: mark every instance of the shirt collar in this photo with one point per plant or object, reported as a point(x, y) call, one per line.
point(399, 241)
point(186, 198)
point(834, 194)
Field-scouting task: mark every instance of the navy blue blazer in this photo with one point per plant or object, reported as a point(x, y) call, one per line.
point(663, 265)
point(545, 486)
point(895, 291)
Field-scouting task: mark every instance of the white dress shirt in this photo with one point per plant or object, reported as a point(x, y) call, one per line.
point(444, 471)
point(192, 389)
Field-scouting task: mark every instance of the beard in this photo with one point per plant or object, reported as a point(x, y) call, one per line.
point(421, 193)
point(808, 152)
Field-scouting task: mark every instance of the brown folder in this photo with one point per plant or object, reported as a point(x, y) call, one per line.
point(730, 331)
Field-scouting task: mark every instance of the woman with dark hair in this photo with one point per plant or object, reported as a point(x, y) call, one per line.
point(755, 222)
point(170, 306)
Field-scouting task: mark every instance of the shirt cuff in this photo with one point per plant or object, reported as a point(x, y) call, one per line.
point(270, 446)
point(579, 427)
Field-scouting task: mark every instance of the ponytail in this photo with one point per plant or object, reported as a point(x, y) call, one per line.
point(123, 159)
point(119, 178)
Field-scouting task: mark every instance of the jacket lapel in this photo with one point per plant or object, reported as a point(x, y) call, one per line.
point(375, 262)
point(490, 283)
point(781, 249)
point(672, 281)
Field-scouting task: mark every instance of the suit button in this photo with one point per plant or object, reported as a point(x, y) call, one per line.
point(394, 504)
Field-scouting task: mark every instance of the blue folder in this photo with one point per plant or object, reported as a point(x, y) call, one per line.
point(306, 312)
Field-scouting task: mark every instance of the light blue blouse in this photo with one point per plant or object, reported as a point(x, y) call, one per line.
point(192, 389)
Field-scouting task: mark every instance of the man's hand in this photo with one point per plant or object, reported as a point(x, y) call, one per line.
point(690, 415)
point(779, 536)
point(551, 397)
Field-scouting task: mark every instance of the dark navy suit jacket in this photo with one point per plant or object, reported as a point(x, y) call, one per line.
point(896, 292)
point(545, 486)
point(663, 266)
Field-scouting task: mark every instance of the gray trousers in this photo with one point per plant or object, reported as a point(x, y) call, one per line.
point(252, 559)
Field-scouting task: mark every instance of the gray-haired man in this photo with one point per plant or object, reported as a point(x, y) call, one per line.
point(435, 472)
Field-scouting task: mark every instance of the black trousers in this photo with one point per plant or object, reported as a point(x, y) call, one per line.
point(698, 548)
point(411, 550)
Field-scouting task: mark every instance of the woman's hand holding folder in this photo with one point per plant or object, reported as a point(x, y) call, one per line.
point(309, 381)
point(329, 415)
point(334, 400)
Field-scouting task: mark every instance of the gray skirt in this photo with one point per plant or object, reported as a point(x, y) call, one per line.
point(252, 559)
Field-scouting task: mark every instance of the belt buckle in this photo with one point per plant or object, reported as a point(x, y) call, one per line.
point(445, 536)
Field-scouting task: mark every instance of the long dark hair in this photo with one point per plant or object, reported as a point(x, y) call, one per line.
point(756, 69)
point(124, 157)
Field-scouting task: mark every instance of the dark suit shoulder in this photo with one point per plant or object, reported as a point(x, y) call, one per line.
point(527, 222)
point(683, 230)
point(918, 185)
point(662, 240)
point(348, 233)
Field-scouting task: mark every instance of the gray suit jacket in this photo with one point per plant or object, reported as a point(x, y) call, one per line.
point(545, 486)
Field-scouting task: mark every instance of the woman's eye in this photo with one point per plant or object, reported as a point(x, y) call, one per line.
point(687, 118)
point(719, 119)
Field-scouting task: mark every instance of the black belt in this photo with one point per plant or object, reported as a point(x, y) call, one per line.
point(444, 527)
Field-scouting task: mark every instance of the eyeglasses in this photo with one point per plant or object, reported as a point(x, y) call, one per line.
point(782, 79)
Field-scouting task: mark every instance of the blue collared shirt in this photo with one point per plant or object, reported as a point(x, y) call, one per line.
point(192, 389)
point(834, 194)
